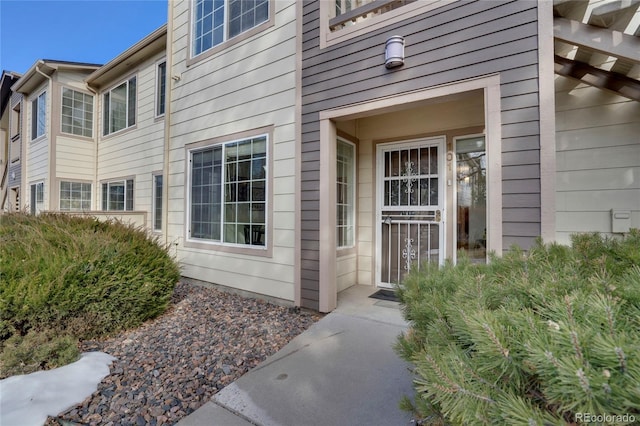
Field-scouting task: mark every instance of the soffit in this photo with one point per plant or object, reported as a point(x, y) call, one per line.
point(127, 61)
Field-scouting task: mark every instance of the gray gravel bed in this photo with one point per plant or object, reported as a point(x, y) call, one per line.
point(171, 366)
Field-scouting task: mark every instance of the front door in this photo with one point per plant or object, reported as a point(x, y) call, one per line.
point(410, 207)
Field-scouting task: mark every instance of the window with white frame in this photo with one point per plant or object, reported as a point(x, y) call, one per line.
point(75, 196)
point(37, 198)
point(117, 195)
point(157, 202)
point(161, 88)
point(120, 107)
point(228, 192)
point(77, 113)
point(216, 21)
point(39, 116)
point(345, 194)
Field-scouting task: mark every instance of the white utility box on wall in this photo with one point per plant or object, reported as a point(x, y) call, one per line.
point(620, 221)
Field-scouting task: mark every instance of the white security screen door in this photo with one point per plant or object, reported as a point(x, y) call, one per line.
point(410, 228)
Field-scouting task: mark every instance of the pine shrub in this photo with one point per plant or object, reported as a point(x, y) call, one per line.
point(79, 276)
point(535, 337)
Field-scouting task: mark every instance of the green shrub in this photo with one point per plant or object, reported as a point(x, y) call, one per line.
point(79, 276)
point(37, 351)
point(531, 338)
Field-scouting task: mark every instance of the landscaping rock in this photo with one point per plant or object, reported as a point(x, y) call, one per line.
point(171, 366)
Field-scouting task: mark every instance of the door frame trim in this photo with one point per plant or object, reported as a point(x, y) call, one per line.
point(327, 258)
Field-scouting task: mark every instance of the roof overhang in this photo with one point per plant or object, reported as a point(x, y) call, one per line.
point(130, 58)
point(599, 45)
point(6, 82)
point(36, 75)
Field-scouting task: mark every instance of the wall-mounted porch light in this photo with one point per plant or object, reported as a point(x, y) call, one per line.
point(394, 52)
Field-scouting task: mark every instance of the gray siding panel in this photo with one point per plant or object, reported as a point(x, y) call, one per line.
point(457, 41)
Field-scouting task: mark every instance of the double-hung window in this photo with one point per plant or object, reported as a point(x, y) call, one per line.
point(77, 113)
point(37, 197)
point(216, 21)
point(161, 88)
point(117, 195)
point(39, 116)
point(345, 194)
point(228, 192)
point(75, 196)
point(120, 107)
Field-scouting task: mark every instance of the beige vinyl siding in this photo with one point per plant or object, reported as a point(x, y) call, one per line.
point(38, 151)
point(598, 158)
point(75, 159)
point(247, 85)
point(136, 152)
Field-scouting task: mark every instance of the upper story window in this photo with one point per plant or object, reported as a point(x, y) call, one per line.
point(120, 107)
point(77, 113)
point(161, 88)
point(39, 116)
point(216, 21)
point(16, 121)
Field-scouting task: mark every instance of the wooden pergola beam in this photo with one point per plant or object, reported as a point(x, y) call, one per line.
point(610, 42)
point(596, 77)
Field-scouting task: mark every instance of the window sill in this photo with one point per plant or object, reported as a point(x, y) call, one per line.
point(78, 137)
point(119, 132)
point(258, 251)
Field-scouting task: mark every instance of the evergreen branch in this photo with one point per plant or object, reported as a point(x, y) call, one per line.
point(454, 386)
point(622, 359)
point(552, 359)
point(584, 381)
point(494, 339)
point(576, 345)
point(610, 320)
point(567, 302)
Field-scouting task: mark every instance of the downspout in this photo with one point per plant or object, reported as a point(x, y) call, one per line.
point(51, 143)
point(167, 125)
point(96, 120)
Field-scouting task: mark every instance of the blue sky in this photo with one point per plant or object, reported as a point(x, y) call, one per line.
point(93, 31)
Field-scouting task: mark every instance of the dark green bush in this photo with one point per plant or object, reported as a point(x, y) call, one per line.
point(79, 276)
point(531, 338)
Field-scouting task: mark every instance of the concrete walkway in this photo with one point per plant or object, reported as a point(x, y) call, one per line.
point(341, 371)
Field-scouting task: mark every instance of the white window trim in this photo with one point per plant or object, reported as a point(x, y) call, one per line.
point(268, 202)
point(60, 195)
point(156, 103)
point(34, 209)
point(93, 115)
point(105, 109)
point(114, 181)
point(354, 196)
point(34, 115)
